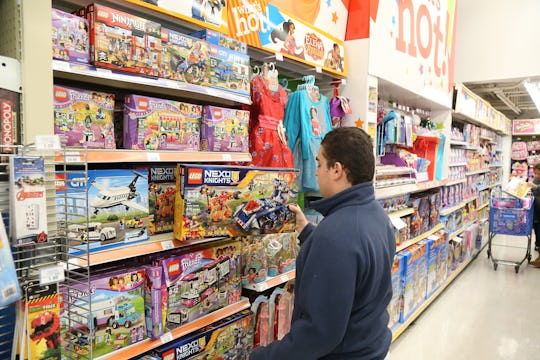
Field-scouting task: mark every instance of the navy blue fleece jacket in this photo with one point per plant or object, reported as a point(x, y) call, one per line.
point(343, 283)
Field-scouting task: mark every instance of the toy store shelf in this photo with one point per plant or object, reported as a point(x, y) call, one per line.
point(401, 213)
point(271, 282)
point(458, 232)
point(90, 74)
point(393, 170)
point(499, 150)
point(420, 237)
point(388, 192)
point(490, 140)
point(458, 164)
point(483, 205)
point(158, 243)
point(496, 165)
point(466, 118)
point(120, 155)
point(483, 220)
point(458, 143)
point(149, 344)
point(428, 302)
point(454, 182)
point(496, 184)
point(445, 212)
point(480, 171)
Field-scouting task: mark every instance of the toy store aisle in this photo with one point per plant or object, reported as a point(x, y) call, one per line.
point(483, 314)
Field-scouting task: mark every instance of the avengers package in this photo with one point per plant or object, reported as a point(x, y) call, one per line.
point(230, 201)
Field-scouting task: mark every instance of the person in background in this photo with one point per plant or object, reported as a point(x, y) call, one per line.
point(343, 272)
point(535, 187)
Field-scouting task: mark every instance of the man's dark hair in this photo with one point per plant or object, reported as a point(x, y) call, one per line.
point(352, 147)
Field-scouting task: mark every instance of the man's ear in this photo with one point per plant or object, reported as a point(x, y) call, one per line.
point(338, 170)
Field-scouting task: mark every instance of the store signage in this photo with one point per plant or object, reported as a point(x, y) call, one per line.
point(526, 127)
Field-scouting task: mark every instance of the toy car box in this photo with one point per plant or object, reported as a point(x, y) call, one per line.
point(233, 201)
point(199, 282)
point(217, 38)
point(121, 41)
point(185, 58)
point(414, 278)
point(117, 208)
point(159, 124)
point(229, 70)
point(117, 317)
point(224, 129)
point(161, 190)
point(70, 37)
point(84, 118)
point(229, 338)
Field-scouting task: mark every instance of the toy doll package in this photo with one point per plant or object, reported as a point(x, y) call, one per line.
point(70, 37)
point(224, 129)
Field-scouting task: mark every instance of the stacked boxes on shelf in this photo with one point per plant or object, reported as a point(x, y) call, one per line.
point(414, 278)
point(437, 261)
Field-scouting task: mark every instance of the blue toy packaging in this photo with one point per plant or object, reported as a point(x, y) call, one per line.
point(230, 201)
point(217, 38)
point(229, 70)
point(414, 278)
point(117, 204)
point(437, 250)
point(161, 190)
point(9, 284)
point(117, 316)
point(394, 307)
point(229, 338)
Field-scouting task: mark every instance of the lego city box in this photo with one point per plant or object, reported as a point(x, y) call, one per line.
point(84, 118)
point(224, 130)
point(70, 37)
point(229, 70)
point(114, 214)
point(117, 318)
point(185, 58)
point(200, 281)
point(230, 201)
point(217, 38)
point(160, 124)
point(229, 338)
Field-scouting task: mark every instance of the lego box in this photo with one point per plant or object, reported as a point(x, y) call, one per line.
point(122, 41)
point(117, 208)
point(229, 70)
point(224, 129)
point(70, 37)
point(185, 58)
point(84, 118)
point(233, 201)
point(161, 190)
point(217, 38)
point(159, 124)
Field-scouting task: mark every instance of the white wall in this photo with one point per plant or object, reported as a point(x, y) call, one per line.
point(497, 40)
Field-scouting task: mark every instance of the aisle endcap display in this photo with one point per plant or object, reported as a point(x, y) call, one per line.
point(133, 82)
point(147, 345)
point(420, 237)
point(271, 282)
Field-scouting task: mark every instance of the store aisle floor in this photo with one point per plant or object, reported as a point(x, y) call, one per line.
point(483, 314)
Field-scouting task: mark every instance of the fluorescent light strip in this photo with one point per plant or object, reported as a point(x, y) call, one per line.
point(534, 92)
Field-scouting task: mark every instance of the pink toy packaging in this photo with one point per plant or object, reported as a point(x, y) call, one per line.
point(261, 321)
point(84, 118)
point(152, 301)
point(159, 124)
point(70, 37)
point(224, 129)
point(254, 267)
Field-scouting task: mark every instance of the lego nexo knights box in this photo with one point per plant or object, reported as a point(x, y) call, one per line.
point(214, 200)
point(229, 338)
point(122, 41)
point(224, 129)
point(159, 124)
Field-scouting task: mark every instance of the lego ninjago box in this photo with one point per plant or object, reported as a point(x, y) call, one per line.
point(213, 200)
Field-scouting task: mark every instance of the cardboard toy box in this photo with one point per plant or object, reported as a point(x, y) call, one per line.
point(9, 110)
point(216, 38)
point(159, 124)
point(84, 118)
point(117, 316)
point(437, 249)
point(394, 307)
point(42, 318)
point(414, 278)
point(229, 70)
point(117, 208)
point(229, 338)
point(161, 191)
point(70, 37)
point(152, 301)
point(233, 201)
point(224, 129)
point(185, 58)
point(121, 41)
point(199, 282)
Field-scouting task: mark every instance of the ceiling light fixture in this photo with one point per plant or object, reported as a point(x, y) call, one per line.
point(501, 95)
point(534, 91)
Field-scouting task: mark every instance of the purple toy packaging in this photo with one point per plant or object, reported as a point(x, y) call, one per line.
point(152, 301)
point(69, 37)
point(224, 129)
point(159, 124)
point(84, 118)
point(117, 317)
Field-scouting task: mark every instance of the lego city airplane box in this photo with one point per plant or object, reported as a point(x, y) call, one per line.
point(117, 208)
point(117, 316)
point(214, 201)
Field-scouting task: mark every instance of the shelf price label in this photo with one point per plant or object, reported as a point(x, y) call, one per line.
point(279, 56)
point(226, 157)
point(318, 69)
point(167, 245)
point(61, 65)
point(284, 278)
point(73, 157)
point(152, 156)
point(167, 337)
point(51, 274)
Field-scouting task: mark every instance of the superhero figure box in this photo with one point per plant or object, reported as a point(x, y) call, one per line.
point(159, 124)
point(122, 41)
point(84, 118)
point(224, 129)
point(70, 37)
point(233, 201)
point(185, 58)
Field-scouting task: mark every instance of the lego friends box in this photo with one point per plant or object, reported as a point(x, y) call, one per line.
point(233, 201)
point(224, 129)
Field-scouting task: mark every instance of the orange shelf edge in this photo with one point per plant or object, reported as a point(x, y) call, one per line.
point(122, 155)
point(270, 283)
point(149, 344)
point(420, 237)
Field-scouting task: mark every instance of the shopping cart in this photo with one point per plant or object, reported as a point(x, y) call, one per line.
point(510, 216)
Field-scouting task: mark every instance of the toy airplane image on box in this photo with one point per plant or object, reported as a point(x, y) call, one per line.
point(229, 201)
point(117, 208)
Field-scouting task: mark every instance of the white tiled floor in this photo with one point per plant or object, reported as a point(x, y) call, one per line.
point(483, 314)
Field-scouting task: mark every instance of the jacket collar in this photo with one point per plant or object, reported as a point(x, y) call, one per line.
point(358, 194)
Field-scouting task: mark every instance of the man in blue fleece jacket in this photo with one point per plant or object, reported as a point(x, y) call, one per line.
point(343, 283)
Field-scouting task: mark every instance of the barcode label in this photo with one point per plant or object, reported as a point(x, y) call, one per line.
point(9, 292)
point(51, 275)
